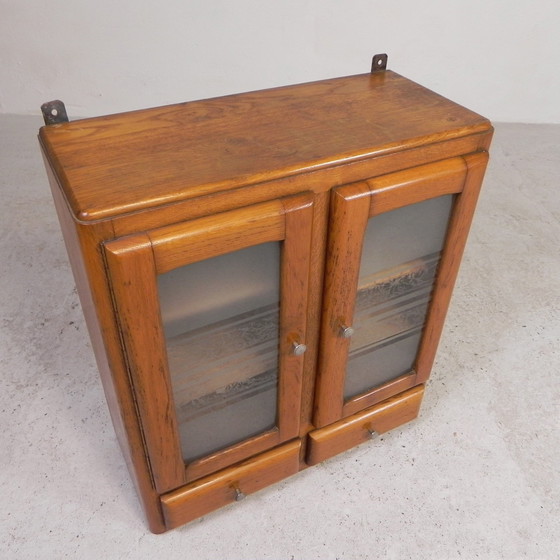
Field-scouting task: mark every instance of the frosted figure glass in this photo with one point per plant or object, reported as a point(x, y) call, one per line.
point(221, 323)
point(399, 261)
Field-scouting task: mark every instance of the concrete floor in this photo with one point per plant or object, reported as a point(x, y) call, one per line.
point(476, 476)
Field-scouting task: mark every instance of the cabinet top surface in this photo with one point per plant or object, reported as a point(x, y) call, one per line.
point(121, 163)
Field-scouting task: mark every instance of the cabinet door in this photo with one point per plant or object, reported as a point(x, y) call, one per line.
point(212, 314)
point(394, 248)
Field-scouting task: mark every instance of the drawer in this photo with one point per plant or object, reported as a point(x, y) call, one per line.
point(224, 487)
point(355, 429)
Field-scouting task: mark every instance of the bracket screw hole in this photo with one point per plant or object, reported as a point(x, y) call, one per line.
point(54, 112)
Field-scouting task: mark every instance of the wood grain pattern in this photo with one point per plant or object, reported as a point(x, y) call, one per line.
point(224, 458)
point(318, 181)
point(348, 220)
point(177, 152)
point(211, 493)
point(314, 306)
point(460, 222)
point(351, 207)
point(378, 394)
point(352, 431)
point(133, 263)
point(188, 242)
point(132, 272)
point(294, 288)
point(84, 249)
point(417, 184)
point(164, 187)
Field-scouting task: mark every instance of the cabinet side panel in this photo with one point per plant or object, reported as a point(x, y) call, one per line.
point(83, 247)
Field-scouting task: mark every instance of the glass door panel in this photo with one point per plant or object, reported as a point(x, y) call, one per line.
point(399, 260)
point(210, 311)
point(221, 325)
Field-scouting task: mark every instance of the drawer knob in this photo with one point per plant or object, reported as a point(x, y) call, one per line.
point(298, 349)
point(239, 495)
point(346, 331)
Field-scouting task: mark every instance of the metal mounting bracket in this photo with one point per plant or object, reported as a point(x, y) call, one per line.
point(54, 112)
point(379, 63)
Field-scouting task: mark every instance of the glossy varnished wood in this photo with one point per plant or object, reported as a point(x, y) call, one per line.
point(192, 241)
point(134, 262)
point(84, 246)
point(347, 223)
point(294, 289)
point(380, 393)
point(132, 272)
point(318, 181)
point(177, 152)
point(295, 230)
point(208, 494)
point(460, 222)
point(416, 184)
point(139, 194)
point(358, 428)
point(351, 208)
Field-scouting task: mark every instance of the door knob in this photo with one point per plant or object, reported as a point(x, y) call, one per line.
point(372, 433)
point(298, 348)
point(346, 331)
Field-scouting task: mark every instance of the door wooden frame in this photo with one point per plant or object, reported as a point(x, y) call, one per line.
point(133, 263)
point(351, 207)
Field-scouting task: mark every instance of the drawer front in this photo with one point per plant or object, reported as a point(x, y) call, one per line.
point(355, 429)
point(227, 486)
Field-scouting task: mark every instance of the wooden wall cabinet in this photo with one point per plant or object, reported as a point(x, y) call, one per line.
point(264, 276)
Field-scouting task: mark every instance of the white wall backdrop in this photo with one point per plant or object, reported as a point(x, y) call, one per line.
point(498, 57)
